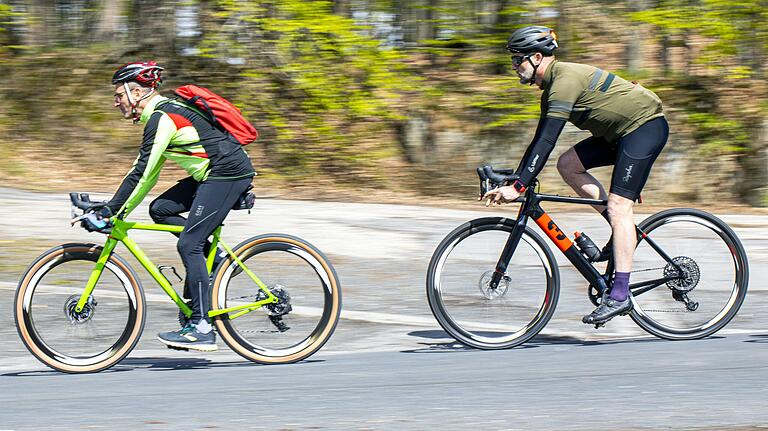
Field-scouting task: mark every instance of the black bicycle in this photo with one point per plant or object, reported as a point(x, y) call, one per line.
point(493, 283)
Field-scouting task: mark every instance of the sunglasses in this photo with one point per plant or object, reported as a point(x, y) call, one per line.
point(517, 60)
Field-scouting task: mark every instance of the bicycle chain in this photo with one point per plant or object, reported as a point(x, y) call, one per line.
point(661, 311)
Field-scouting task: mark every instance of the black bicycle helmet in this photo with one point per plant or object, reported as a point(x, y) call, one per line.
point(533, 38)
point(146, 73)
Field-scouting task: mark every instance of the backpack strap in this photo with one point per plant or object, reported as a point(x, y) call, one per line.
point(190, 104)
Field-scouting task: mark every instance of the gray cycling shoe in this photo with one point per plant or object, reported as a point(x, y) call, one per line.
point(189, 337)
point(607, 310)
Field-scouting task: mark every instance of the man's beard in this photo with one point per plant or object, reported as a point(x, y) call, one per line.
point(526, 77)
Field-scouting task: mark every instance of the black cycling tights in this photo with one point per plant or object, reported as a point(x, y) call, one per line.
point(208, 204)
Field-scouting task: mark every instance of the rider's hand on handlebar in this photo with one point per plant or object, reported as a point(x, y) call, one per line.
point(97, 207)
point(498, 196)
point(96, 218)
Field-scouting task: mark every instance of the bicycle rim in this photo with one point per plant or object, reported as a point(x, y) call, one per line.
point(713, 283)
point(473, 313)
point(93, 340)
point(309, 307)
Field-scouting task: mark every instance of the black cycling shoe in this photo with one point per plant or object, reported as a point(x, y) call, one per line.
point(607, 310)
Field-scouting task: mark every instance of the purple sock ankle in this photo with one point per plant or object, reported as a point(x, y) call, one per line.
point(620, 289)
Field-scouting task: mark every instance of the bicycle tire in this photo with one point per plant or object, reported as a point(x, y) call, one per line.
point(482, 334)
point(312, 287)
point(698, 235)
point(61, 272)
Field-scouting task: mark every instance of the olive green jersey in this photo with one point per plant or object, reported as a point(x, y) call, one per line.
point(595, 100)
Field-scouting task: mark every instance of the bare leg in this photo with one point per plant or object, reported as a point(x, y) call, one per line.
point(582, 182)
point(620, 213)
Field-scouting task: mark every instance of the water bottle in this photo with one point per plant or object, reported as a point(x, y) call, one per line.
point(586, 246)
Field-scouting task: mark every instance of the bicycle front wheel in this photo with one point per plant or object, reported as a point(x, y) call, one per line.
point(467, 307)
point(96, 338)
point(308, 307)
point(707, 294)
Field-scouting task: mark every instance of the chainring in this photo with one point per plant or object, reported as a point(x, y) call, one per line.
point(690, 277)
point(485, 286)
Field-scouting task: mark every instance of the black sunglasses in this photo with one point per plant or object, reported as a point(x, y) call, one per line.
point(517, 60)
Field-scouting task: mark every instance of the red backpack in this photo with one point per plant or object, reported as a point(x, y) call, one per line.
point(220, 110)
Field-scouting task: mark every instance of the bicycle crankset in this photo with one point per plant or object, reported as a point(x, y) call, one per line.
point(88, 309)
point(493, 293)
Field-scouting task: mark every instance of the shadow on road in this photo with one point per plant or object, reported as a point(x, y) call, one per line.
point(757, 339)
point(158, 364)
point(538, 341)
point(444, 347)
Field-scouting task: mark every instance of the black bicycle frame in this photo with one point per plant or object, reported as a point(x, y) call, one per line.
point(530, 208)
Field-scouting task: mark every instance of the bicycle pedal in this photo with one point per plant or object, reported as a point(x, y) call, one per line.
point(598, 325)
point(183, 349)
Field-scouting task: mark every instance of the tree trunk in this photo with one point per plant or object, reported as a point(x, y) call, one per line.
point(426, 29)
point(109, 17)
point(634, 51)
point(38, 23)
point(664, 53)
point(153, 26)
point(755, 166)
point(342, 8)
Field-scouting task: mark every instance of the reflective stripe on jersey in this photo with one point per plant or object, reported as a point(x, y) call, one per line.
point(595, 100)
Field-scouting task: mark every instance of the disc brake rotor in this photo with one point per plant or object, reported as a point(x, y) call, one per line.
point(70, 304)
point(485, 286)
point(686, 281)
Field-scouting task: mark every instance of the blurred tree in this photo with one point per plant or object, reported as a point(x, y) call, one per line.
point(110, 11)
point(152, 26)
point(300, 63)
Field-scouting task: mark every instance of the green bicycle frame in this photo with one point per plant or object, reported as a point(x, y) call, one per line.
point(119, 233)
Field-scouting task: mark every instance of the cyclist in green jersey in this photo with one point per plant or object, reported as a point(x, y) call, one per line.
point(220, 172)
point(628, 131)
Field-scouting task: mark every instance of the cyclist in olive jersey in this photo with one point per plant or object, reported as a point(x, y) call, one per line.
point(220, 172)
point(628, 131)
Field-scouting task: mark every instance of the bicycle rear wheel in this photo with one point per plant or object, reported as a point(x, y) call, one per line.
point(98, 337)
point(712, 287)
point(309, 299)
point(460, 296)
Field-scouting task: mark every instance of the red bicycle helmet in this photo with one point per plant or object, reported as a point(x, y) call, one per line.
point(146, 73)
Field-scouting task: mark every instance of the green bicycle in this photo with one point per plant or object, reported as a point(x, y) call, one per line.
point(81, 308)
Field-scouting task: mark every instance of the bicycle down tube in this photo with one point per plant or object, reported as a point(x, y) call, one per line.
point(530, 208)
point(120, 234)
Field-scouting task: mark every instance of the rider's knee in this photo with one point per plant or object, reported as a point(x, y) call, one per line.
point(568, 163)
point(156, 211)
point(619, 207)
point(187, 246)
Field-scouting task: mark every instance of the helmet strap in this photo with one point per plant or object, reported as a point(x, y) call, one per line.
point(135, 104)
point(535, 68)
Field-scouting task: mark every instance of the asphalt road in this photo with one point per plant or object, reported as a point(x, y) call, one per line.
point(389, 365)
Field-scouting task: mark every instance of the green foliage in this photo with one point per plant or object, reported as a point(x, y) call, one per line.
point(718, 135)
point(735, 29)
point(314, 67)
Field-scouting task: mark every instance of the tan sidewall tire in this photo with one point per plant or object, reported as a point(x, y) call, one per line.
point(24, 286)
point(320, 340)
